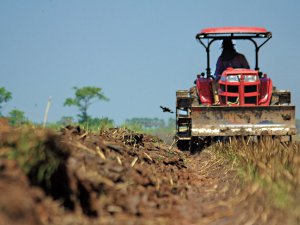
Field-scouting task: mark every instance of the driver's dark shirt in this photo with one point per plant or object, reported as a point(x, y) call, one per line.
point(239, 61)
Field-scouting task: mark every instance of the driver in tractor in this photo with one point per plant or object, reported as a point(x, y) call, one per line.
point(229, 58)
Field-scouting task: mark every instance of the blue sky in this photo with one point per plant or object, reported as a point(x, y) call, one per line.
point(140, 52)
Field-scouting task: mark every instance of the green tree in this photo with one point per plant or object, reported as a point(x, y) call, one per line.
point(101, 123)
point(66, 120)
point(17, 117)
point(146, 123)
point(84, 98)
point(5, 96)
point(171, 123)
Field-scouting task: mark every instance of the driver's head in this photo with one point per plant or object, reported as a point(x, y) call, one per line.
point(227, 44)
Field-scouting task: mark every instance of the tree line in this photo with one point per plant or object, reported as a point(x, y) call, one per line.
point(83, 98)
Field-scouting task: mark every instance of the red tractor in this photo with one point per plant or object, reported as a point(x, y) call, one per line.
point(243, 102)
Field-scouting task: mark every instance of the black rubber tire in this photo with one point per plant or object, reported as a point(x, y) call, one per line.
point(183, 145)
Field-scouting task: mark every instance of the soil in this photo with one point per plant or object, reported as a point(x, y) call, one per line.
point(122, 177)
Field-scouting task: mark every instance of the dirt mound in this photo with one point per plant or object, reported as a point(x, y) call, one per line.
point(123, 172)
point(118, 177)
point(116, 174)
point(18, 201)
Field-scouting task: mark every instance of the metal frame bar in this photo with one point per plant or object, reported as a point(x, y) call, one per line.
point(214, 38)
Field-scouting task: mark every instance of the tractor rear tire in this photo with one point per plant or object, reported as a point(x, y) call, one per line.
point(183, 145)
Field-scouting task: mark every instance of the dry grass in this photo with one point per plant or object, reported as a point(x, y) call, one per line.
point(273, 166)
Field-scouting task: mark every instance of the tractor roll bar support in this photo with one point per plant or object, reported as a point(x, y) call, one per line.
point(213, 39)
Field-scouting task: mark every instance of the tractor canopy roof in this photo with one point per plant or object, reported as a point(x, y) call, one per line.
point(240, 33)
point(234, 33)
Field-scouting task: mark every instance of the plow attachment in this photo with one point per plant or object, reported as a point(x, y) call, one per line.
point(242, 121)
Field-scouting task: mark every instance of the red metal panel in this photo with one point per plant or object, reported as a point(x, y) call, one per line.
point(204, 91)
point(231, 70)
point(241, 92)
point(229, 30)
point(266, 87)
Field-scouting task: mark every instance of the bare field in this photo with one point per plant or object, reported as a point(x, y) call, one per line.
point(122, 177)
